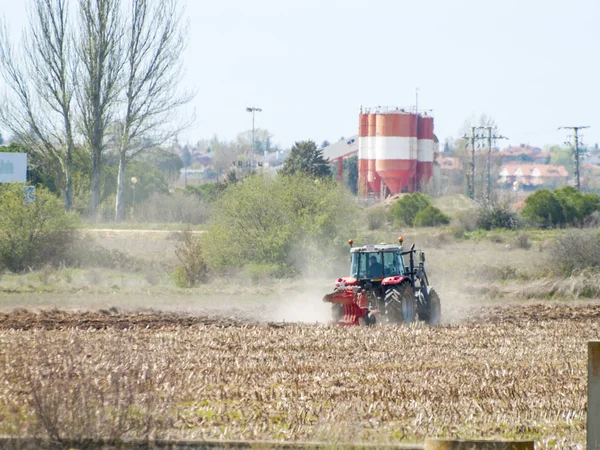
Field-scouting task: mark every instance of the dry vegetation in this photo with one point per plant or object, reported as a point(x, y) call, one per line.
point(516, 372)
point(217, 366)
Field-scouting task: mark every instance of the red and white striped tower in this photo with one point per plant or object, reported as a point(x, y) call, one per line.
point(396, 150)
point(425, 151)
point(373, 180)
point(363, 160)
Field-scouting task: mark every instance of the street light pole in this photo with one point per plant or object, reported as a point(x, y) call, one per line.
point(134, 181)
point(253, 110)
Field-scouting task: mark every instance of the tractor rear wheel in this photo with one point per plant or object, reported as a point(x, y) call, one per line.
point(434, 314)
point(400, 304)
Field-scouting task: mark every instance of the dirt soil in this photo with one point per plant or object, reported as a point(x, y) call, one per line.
point(55, 319)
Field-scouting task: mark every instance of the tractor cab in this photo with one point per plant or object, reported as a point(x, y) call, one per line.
point(376, 262)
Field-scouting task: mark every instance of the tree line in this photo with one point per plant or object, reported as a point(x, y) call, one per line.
point(94, 76)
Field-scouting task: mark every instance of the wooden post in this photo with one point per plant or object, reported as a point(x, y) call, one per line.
point(452, 444)
point(593, 412)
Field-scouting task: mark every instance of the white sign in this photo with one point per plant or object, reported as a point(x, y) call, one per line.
point(13, 167)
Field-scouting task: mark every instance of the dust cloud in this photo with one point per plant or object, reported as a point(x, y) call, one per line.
point(305, 306)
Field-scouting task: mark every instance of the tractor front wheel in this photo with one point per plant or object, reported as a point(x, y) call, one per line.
point(434, 315)
point(400, 304)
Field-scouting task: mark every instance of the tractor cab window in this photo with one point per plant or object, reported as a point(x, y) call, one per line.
point(375, 267)
point(393, 264)
point(359, 266)
point(367, 265)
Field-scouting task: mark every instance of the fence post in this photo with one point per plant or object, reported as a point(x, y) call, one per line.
point(593, 410)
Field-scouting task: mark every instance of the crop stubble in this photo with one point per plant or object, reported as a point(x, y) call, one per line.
point(512, 372)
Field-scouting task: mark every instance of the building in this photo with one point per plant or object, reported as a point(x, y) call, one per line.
point(533, 176)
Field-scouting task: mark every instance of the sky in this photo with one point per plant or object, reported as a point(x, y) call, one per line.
point(531, 65)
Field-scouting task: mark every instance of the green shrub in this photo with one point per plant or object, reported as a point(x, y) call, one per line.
point(294, 222)
point(207, 192)
point(575, 250)
point(565, 206)
point(377, 217)
point(576, 206)
point(36, 234)
point(542, 209)
point(404, 211)
point(192, 268)
point(497, 215)
point(431, 217)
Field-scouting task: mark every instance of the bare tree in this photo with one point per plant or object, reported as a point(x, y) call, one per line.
point(101, 56)
point(155, 42)
point(39, 109)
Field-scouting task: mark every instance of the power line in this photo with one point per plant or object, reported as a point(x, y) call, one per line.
point(490, 138)
point(471, 175)
point(576, 151)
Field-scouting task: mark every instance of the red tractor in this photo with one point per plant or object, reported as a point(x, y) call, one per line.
point(384, 284)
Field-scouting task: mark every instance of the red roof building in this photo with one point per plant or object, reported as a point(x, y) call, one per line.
point(533, 175)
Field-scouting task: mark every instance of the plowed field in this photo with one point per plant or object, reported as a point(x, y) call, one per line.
point(512, 371)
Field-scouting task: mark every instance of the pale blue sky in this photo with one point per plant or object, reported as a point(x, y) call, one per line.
point(532, 65)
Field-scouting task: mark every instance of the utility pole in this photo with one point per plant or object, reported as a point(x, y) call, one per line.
point(471, 176)
point(253, 110)
point(417, 100)
point(576, 152)
point(490, 138)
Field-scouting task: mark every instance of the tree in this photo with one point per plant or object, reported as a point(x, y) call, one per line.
point(224, 156)
point(100, 52)
point(463, 148)
point(39, 111)
point(155, 43)
point(405, 210)
point(1, 139)
point(262, 140)
point(351, 169)
point(307, 159)
point(168, 163)
point(543, 209)
point(283, 222)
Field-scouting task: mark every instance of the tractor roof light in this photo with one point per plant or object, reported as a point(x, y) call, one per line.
point(400, 240)
point(350, 242)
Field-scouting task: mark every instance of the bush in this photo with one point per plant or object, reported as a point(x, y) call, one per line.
point(192, 268)
point(542, 209)
point(431, 217)
point(175, 208)
point(565, 206)
point(497, 215)
point(574, 251)
point(377, 217)
point(36, 234)
point(522, 241)
point(405, 210)
point(207, 192)
point(294, 222)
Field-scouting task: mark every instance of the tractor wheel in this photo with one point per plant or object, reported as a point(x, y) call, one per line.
point(337, 312)
point(401, 305)
point(367, 321)
point(434, 314)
